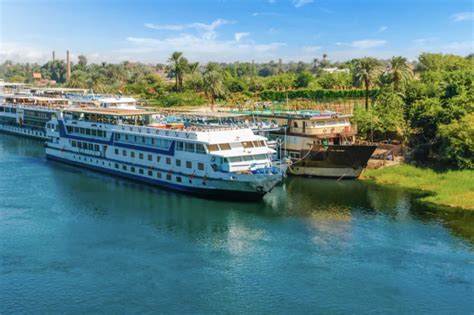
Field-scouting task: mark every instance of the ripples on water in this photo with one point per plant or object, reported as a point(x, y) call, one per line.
point(78, 241)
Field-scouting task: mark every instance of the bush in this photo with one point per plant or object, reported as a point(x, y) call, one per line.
point(279, 96)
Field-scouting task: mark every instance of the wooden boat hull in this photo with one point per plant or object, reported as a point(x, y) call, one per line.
point(333, 161)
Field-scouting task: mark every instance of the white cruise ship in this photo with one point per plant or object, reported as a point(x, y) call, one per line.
point(27, 114)
point(215, 162)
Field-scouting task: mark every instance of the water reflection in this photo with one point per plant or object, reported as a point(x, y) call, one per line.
point(326, 205)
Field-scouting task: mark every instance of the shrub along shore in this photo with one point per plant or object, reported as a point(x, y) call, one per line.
point(453, 188)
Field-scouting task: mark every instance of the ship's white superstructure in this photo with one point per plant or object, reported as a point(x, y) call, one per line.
point(211, 161)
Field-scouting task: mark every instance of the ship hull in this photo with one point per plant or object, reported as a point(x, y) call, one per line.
point(205, 188)
point(334, 161)
point(23, 131)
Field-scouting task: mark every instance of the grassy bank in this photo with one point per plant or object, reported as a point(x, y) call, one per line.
point(449, 189)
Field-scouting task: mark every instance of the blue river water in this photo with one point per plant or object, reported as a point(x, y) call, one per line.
point(76, 241)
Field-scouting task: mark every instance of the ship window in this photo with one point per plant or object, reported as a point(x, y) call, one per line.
point(132, 154)
point(88, 132)
point(150, 173)
point(150, 157)
point(189, 147)
point(212, 147)
point(158, 158)
point(140, 170)
point(117, 136)
point(135, 138)
point(116, 166)
point(96, 147)
point(124, 167)
point(140, 156)
point(224, 146)
point(91, 146)
point(200, 148)
point(73, 143)
point(294, 155)
point(132, 169)
point(69, 129)
point(178, 179)
point(235, 159)
point(260, 157)
point(247, 144)
point(143, 139)
point(124, 152)
point(178, 162)
point(168, 161)
point(158, 174)
point(94, 132)
point(189, 164)
point(126, 137)
point(168, 176)
point(179, 146)
point(247, 158)
point(259, 143)
point(201, 166)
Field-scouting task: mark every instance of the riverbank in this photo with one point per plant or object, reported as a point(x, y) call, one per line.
point(454, 189)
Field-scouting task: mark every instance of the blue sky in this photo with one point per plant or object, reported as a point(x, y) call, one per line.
point(233, 30)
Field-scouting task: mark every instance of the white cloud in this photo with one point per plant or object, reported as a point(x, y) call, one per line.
point(364, 43)
point(424, 41)
point(201, 49)
point(300, 3)
point(240, 35)
point(465, 46)
point(311, 49)
point(208, 30)
point(463, 16)
point(266, 14)
point(20, 52)
point(382, 29)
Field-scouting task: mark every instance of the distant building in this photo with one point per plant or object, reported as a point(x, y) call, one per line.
point(37, 77)
point(335, 70)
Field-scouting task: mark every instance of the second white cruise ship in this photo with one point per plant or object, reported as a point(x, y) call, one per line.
point(215, 162)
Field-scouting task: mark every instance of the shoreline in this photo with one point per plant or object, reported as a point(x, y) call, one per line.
point(452, 189)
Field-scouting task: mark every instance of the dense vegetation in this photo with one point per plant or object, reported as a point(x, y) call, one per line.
point(427, 104)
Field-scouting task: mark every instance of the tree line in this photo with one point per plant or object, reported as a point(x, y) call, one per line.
point(427, 103)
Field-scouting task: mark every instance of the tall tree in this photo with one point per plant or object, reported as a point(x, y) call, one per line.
point(400, 72)
point(213, 83)
point(178, 66)
point(365, 71)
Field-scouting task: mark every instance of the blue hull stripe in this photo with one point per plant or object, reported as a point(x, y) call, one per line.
point(202, 192)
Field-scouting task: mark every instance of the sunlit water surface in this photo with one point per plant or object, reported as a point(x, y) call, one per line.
point(75, 241)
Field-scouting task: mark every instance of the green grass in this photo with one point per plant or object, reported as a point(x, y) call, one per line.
point(448, 188)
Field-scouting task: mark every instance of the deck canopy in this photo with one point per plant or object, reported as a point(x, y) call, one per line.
point(110, 115)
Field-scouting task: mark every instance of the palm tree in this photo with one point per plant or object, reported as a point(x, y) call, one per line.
point(179, 65)
point(365, 71)
point(213, 83)
point(193, 67)
point(400, 71)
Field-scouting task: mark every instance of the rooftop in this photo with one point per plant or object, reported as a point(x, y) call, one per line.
point(111, 111)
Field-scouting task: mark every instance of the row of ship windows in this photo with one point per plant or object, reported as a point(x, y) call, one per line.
point(87, 131)
point(145, 140)
point(140, 171)
point(140, 155)
point(227, 146)
point(85, 145)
